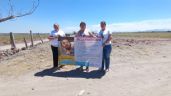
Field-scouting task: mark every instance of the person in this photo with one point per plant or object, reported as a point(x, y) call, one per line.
point(83, 32)
point(67, 48)
point(106, 36)
point(53, 37)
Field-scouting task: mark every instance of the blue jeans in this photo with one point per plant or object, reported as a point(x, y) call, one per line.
point(106, 56)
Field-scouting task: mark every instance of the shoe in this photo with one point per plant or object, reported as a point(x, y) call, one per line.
point(107, 70)
point(87, 69)
point(101, 69)
point(61, 66)
point(55, 68)
point(81, 68)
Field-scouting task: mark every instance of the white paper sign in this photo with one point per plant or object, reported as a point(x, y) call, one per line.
point(88, 50)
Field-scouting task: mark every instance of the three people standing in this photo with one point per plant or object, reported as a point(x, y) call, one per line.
point(104, 33)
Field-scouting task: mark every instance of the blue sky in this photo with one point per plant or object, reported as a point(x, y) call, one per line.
point(120, 15)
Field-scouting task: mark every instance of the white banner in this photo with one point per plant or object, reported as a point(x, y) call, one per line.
point(88, 51)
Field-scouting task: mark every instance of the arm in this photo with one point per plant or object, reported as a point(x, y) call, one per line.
point(77, 34)
point(109, 38)
point(91, 35)
point(52, 37)
point(62, 34)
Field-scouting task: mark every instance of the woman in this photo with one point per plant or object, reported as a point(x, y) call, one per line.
point(83, 33)
point(107, 47)
point(53, 37)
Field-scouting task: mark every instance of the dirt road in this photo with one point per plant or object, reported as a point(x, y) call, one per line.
point(140, 69)
point(20, 45)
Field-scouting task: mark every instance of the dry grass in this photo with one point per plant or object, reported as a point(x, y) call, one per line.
point(5, 38)
point(163, 35)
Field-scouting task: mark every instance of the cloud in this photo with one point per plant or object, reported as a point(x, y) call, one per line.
point(145, 25)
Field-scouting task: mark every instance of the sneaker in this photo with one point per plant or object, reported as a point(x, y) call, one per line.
point(107, 70)
point(61, 66)
point(101, 69)
point(87, 69)
point(81, 68)
point(55, 68)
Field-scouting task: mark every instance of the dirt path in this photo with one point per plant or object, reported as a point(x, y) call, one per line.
point(20, 45)
point(137, 70)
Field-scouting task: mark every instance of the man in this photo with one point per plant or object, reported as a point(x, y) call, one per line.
point(53, 37)
point(67, 48)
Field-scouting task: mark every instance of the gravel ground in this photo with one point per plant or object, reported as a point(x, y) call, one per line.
point(138, 68)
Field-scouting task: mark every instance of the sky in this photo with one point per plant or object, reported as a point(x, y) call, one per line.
point(120, 15)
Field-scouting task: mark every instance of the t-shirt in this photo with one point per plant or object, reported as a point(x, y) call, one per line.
point(55, 42)
point(82, 34)
point(105, 35)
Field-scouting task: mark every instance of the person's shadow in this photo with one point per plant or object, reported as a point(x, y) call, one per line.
point(76, 73)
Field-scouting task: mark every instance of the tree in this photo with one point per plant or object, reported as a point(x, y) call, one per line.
point(13, 15)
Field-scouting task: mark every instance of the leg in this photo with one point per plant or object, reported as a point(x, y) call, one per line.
point(87, 68)
point(55, 56)
point(104, 56)
point(107, 63)
point(107, 57)
point(103, 60)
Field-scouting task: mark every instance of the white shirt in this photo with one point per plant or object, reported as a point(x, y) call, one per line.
point(105, 35)
point(85, 33)
point(55, 42)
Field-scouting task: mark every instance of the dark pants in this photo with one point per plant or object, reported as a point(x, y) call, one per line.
point(55, 56)
point(106, 56)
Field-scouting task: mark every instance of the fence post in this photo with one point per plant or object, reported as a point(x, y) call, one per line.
point(40, 38)
point(12, 41)
point(25, 42)
point(31, 37)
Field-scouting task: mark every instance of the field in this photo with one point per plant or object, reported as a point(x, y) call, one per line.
point(143, 35)
point(140, 66)
point(5, 38)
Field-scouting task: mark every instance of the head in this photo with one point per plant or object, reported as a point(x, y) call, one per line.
point(82, 26)
point(66, 44)
point(56, 27)
point(103, 25)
